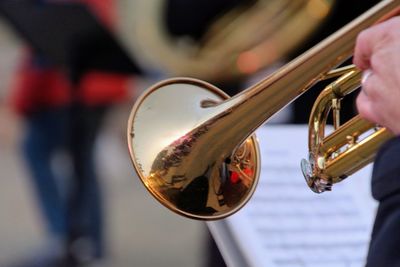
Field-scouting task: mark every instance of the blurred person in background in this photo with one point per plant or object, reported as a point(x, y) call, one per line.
point(63, 113)
point(41, 96)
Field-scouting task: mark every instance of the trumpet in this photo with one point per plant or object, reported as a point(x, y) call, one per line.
point(195, 150)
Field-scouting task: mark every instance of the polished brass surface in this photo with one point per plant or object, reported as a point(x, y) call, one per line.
point(193, 148)
point(238, 42)
point(334, 157)
point(184, 164)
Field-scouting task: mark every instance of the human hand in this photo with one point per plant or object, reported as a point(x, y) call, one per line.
point(378, 50)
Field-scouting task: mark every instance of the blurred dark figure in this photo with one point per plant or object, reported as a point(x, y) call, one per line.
point(63, 111)
point(41, 95)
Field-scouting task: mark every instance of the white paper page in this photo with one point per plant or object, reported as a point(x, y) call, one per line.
point(285, 224)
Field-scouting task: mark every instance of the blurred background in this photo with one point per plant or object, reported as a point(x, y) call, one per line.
point(79, 132)
point(138, 231)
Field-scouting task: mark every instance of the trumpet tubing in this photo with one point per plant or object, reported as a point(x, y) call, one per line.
point(194, 148)
point(334, 157)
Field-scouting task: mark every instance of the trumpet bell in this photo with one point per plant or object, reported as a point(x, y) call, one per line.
point(177, 158)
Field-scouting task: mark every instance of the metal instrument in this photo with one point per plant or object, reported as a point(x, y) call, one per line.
point(193, 147)
point(235, 43)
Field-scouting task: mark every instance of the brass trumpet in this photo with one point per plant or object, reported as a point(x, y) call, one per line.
point(195, 151)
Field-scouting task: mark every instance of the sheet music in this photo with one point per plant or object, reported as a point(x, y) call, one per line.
point(285, 224)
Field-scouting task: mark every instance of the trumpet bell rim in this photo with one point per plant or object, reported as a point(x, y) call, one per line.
point(166, 135)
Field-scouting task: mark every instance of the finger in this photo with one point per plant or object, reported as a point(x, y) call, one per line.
point(368, 99)
point(365, 75)
point(365, 107)
point(372, 86)
point(366, 43)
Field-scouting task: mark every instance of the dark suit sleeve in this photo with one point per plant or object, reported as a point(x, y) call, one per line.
point(385, 240)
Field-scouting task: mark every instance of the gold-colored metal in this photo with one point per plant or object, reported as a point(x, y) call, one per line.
point(194, 150)
point(174, 139)
point(334, 157)
point(238, 42)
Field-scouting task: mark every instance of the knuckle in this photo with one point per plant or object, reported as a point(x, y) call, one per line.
point(376, 61)
point(390, 36)
point(394, 22)
point(362, 36)
point(390, 30)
